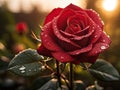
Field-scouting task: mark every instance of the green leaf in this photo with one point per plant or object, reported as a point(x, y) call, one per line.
point(26, 63)
point(53, 85)
point(102, 70)
point(50, 85)
point(39, 82)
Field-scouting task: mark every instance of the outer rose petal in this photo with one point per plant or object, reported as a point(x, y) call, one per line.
point(95, 17)
point(76, 8)
point(104, 38)
point(102, 44)
point(62, 19)
point(98, 48)
point(48, 38)
point(80, 51)
point(62, 56)
point(54, 13)
point(43, 51)
point(84, 58)
point(96, 35)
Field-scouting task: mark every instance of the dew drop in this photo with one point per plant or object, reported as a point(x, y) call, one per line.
point(61, 57)
point(103, 40)
point(46, 35)
point(22, 68)
point(42, 34)
point(77, 53)
point(96, 51)
point(29, 70)
point(103, 47)
point(95, 36)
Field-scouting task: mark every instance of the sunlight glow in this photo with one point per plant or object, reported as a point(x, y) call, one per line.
point(1, 2)
point(42, 5)
point(50, 4)
point(109, 5)
point(14, 5)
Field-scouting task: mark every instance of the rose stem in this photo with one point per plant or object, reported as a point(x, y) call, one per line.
point(71, 76)
point(58, 74)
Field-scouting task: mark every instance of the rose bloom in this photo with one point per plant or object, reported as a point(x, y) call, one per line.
point(21, 28)
point(73, 34)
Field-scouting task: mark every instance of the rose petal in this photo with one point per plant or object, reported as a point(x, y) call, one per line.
point(66, 46)
point(72, 28)
point(62, 56)
point(98, 48)
point(83, 36)
point(55, 12)
point(48, 38)
point(68, 35)
point(95, 17)
point(43, 51)
point(84, 58)
point(59, 35)
point(79, 18)
point(96, 35)
point(104, 38)
point(82, 32)
point(76, 8)
point(80, 51)
point(62, 19)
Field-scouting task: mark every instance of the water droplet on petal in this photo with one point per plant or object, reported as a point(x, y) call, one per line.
point(61, 57)
point(96, 51)
point(95, 36)
point(46, 35)
point(103, 40)
point(42, 34)
point(103, 47)
point(77, 53)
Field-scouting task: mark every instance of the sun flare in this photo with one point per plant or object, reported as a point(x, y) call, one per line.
point(109, 5)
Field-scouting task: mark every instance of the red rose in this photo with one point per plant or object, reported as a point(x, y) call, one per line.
point(73, 34)
point(21, 28)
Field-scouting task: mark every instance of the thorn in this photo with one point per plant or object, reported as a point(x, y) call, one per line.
point(34, 36)
point(40, 27)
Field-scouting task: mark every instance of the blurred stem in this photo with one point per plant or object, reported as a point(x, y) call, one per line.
point(58, 74)
point(71, 76)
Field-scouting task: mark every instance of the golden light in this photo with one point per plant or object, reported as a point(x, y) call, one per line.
point(109, 5)
point(13, 5)
point(42, 5)
point(47, 7)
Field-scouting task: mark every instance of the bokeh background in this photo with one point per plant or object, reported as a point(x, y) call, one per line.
point(19, 18)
